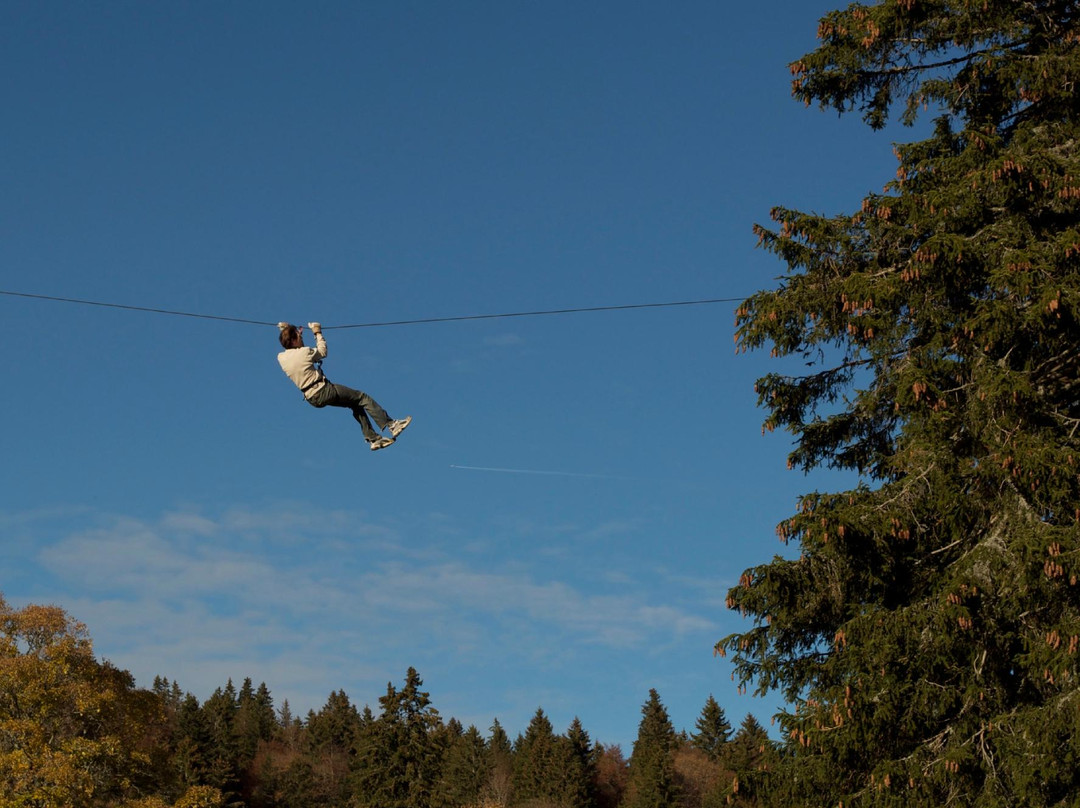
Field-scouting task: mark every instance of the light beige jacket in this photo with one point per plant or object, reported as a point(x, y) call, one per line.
point(299, 365)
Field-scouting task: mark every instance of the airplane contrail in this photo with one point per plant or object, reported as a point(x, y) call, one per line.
point(538, 471)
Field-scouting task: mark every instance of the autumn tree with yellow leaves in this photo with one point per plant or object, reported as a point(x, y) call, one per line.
point(74, 731)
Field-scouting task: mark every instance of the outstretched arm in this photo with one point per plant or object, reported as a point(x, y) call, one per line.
point(320, 341)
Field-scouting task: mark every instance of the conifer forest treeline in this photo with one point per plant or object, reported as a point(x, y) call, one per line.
point(75, 732)
point(924, 632)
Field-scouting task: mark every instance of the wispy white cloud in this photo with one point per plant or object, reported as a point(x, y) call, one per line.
point(189, 523)
point(11, 519)
point(201, 597)
point(507, 340)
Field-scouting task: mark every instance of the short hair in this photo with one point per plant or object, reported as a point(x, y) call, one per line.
point(289, 335)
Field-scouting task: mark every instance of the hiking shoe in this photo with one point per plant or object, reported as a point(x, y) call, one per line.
point(380, 442)
point(397, 427)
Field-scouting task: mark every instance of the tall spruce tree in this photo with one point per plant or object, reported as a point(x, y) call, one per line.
point(580, 773)
point(713, 729)
point(652, 763)
point(399, 755)
point(538, 765)
point(751, 749)
point(223, 757)
point(500, 752)
point(255, 720)
point(466, 768)
point(927, 635)
point(331, 737)
point(192, 745)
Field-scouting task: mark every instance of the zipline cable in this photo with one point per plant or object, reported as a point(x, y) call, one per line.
point(545, 312)
point(134, 308)
point(541, 313)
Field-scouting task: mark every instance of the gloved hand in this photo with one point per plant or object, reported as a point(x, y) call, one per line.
point(316, 328)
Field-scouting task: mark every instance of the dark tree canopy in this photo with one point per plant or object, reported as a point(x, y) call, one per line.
point(713, 729)
point(77, 732)
point(652, 766)
point(399, 755)
point(927, 634)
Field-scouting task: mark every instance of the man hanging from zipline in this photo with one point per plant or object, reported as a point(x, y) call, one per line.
point(304, 366)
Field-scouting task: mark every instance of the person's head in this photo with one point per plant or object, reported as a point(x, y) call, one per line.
point(291, 336)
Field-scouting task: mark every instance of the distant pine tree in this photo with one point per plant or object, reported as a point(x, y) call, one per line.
point(652, 767)
point(466, 768)
point(580, 774)
point(331, 736)
point(499, 788)
point(537, 759)
point(255, 720)
point(399, 755)
point(332, 730)
point(750, 749)
point(222, 756)
point(713, 730)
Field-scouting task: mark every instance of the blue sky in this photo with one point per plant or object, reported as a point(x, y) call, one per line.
point(369, 162)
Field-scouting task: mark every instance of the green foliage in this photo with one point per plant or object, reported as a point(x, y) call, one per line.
point(499, 787)
point(399, 754)
point(982, 61)
point(927, 635)
point(255, 720)
point(580, 772)
point(537, 762)
point(223, 762)
point(713, 730)
point(652, 765)
point(553, 770)
point(333, 730)
point(466, 769)
point(77, 732)
point(750, 750)
point(330, 740)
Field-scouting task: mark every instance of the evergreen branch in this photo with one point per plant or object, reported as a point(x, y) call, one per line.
point(905, 486)
point(846, 365)
point(946, 547)
point(902, 70)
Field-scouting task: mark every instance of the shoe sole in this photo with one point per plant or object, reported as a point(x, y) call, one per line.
point(376, 446)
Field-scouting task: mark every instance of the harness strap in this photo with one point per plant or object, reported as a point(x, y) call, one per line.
point(315, 383)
